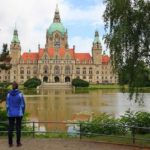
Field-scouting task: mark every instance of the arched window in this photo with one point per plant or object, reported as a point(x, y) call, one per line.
point(21, 70)
point(67, 70)
point(28, 70)
point(45, 69)
point(56, 70)
point(57, 41)
point(77, 70)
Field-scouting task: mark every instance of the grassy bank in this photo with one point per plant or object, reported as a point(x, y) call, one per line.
point(110, 86)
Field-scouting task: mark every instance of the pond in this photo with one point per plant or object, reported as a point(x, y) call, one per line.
point(61, 104)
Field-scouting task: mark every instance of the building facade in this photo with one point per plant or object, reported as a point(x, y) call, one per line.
point(56, 62)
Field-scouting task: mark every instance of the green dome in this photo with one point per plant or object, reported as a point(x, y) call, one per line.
point(56, 26)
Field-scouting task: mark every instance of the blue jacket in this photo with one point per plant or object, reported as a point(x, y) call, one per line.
point(15, 104)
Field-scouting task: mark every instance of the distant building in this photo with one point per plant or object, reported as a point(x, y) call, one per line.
point(56, 62)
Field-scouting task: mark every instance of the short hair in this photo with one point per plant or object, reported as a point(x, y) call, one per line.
point(15, 85)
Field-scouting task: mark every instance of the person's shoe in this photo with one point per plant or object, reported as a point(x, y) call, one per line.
point(10, 145)
point(18, 145)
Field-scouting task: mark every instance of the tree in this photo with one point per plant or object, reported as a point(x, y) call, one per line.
point(5, 58)
point(127, 36)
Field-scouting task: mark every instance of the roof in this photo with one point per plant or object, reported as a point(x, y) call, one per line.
point(62, 52)
point(83, 56)
point(37, 55)
point(29, 56)
point(105, 58)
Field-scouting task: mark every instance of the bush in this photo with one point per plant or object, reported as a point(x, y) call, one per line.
point(137, 119)
point(4, 84)
point(3, 93)
point(3, 117)
point(32, 83)
point(103, 124)
point(80, 83)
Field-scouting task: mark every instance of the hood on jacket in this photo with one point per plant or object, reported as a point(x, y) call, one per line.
point(14, 92)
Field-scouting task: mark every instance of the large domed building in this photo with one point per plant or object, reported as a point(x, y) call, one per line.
point(56, 62)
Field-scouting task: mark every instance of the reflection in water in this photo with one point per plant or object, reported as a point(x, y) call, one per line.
point(62, 104)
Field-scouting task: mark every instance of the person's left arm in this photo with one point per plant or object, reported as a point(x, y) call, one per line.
point(23, 105)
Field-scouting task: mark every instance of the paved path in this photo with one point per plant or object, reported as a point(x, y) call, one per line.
point(61, 144)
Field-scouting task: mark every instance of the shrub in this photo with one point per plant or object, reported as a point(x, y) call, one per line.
point(3, 117)
point(137, 119)
point(3, 94)
point(103, 124)
point(4, 84)
point(79, 83)
point(32, 83)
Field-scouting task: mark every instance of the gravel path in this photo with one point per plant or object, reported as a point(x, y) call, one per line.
point(61, 144)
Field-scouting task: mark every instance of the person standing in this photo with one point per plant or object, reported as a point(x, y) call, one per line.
point(15, 105)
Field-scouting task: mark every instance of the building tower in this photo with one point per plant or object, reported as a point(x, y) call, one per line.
point(97, 49)
point(15, 48)
point(56, 35)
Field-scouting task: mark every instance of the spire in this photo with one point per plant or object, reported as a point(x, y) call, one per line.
point(96, 38)
point(56, 10)
point(57, 16)
point(15, 36)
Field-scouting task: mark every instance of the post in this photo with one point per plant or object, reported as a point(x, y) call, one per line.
point(133, 135)
point(33, 129)
point(80, 131)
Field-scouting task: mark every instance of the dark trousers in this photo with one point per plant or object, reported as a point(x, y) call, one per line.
point(14, 121)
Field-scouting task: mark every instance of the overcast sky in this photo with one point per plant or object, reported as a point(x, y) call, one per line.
point(33, 17)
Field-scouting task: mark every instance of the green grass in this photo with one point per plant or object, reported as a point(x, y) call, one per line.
point(104, 86)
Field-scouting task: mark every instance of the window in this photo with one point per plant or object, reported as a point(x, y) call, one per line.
point(90, 70)
point(21, 77)
point(28, 70)
point(97, 72)
point(45, 69)
point(57, 41)
point(84, 77)
point(34, 70)
point(90, 77)
point(56, 70)
point(67, 70)
point(78, 71)
point(67, 56)
point(84, 70)
point(21, 70)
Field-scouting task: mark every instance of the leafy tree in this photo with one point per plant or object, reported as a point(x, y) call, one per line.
point(5, 58)
point(32, 83)
point(127, 36)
